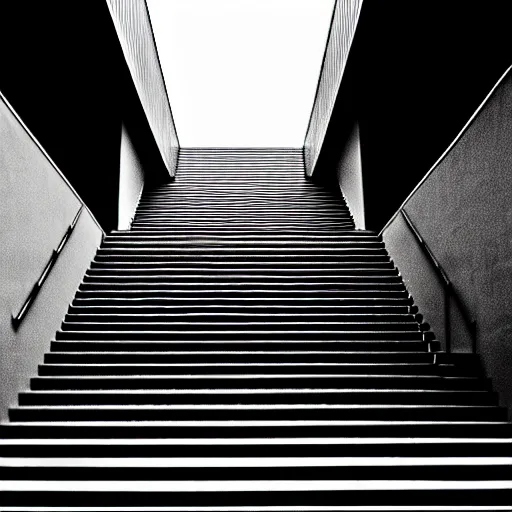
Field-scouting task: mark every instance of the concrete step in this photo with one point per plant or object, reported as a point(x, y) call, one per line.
point(230, 382)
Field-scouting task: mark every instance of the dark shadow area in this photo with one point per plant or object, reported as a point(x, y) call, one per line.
point(64, 73)
point(416, 73)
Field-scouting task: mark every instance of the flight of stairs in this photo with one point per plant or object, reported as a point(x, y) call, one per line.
point(243, 348)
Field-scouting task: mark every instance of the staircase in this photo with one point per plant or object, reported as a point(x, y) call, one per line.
point(243, 348)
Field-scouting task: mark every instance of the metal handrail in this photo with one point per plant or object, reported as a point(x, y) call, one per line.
point(449, 291)
point(17, 319)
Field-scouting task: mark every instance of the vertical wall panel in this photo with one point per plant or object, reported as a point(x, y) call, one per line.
point(345, 17)
point(133, 27)
point(131, 180)
point(349, 172)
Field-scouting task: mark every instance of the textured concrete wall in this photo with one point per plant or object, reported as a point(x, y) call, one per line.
point(416, 72)
point(36, 207)
point(463, 209)
point(75, 106)
point(343, 27)
point(350, 178)
point(133, 27)
point(68, 89)
point(131, 179)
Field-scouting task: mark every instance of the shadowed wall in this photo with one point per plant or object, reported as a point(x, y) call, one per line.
point(415, 74)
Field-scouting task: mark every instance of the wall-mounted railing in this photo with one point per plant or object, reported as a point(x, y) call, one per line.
point(18, 318)
point(341, 34)
point(133, 26)
point(37, 204)
point(448, 291)
point(455, 225)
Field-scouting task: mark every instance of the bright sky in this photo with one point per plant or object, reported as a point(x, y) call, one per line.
point(241, 72)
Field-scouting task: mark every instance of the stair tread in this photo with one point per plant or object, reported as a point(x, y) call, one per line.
point(243, 462)
point(272, 376)
point(408, 441)
point(273, 423)
point(335, 364)
point(305, 391)
point(181, 486)
point(276, 406)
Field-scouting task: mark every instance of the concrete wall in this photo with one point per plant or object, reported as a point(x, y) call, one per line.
point(133, 26)
point(415, 73)
point(463, 210)
point(68, 90)
point(350, 178)
point(75, 106)
point(36, 207)
point(343, 26)
point(131, 179)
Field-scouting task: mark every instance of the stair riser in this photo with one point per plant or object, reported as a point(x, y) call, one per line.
point(244, 266)
point(265, 202)
point(298, 397)
point(312, 286)
point(169, 319)
point(347, 382)
point(226, 205)
point(251, 192)
point(240, 279)
point(251, 220)
point(241, 234)
point(250, 245)
point(239, 335)
point(147, 346)
point(217, 312)
point(241, 302)
point(213, 313)
point(215, 295)
point(246, 228)
point(311, 215)
point(193, 357)
point(158, 450)
point(261, 327)
point(320, 254)
point(242, 224)
point(131, 237)
point(386, 429)
point(237, 214)
point(440, 472)
point(63, 368)
point(240, 261)
point(237, 274)
point(426, 413)
point(412, 498)
point(253, 216)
